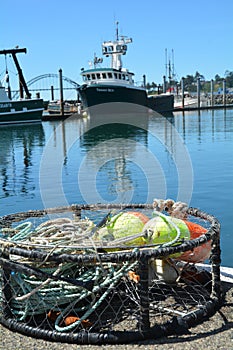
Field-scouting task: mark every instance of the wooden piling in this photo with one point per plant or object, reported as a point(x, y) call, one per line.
point(144, 80)
point(224, 92)
point(212, 92)
point(164, 84)
point(182, 91)
point(198, 93)
point(61, 93)
point(52, 93)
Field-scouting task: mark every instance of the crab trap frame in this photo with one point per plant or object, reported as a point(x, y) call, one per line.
point(59, 284)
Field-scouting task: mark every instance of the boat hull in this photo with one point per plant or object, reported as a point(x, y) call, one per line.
point(24, 111)
point(92, 95)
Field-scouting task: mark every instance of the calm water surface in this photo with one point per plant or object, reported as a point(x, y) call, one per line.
point(187, 157)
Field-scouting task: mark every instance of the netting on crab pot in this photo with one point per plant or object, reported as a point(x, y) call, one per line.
point(95, 274)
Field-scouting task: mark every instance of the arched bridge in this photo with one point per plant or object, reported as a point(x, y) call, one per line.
point(48, 85)
point(51, 75)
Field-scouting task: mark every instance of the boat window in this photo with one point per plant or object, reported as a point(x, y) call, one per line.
point(104, 75)
point(93, 76)
point(123, 76)
point(88, 77)
point(98, 75)
point(84, 77)
point(110, 48)
point(119, 76)
point(110, 75)
point(115, 75)
point(127, 77)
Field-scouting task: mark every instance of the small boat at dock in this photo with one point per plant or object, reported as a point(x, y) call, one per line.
point(186, 101)
point(54, 107)
point(24, 110)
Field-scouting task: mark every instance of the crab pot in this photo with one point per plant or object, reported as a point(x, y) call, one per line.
point(63, 277)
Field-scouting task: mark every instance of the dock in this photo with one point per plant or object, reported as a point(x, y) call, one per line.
point(183, 109)
point(58, 116)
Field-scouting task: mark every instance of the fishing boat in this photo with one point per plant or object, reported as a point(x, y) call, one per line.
point(185, 101)
point(24, 110)
point(116, 84)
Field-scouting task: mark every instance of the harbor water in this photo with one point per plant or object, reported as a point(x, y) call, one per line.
point(187, 157)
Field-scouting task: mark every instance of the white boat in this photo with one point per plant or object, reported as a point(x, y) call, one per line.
point(189, 101)
point(54, 107)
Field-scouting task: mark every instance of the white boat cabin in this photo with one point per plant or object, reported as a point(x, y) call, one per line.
point(107, 76)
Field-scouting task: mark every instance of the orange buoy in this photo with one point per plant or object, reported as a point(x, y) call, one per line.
point(200, 253)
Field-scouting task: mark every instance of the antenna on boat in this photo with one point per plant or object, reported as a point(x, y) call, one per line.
point(116, 49)
point(117, 34)
point(166, 63)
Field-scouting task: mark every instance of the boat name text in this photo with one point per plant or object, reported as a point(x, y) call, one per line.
point(104, 90)
point(5, 105)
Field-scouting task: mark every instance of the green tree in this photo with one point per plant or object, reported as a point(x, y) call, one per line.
point(189, 83)
point(198, 75)
point(218, 79)
point(229, 79)
point(153, 85)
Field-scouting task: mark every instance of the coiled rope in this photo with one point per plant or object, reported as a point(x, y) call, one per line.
point(33, 296)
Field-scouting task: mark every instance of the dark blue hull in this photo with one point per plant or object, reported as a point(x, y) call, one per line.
point(92, 95)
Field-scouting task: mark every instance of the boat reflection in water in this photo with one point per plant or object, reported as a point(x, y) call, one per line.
point(112, 141)
point(19, 145)
point(117, 155)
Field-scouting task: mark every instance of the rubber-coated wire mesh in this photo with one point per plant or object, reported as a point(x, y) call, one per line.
point(78, 291)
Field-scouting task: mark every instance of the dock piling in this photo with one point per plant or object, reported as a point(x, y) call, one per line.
point(224, 92)
point(212, 92)
point(164, 84)
point(61, 93)
point(198, 92)
point(52, 93)
point(182, 91)
point(144, 80)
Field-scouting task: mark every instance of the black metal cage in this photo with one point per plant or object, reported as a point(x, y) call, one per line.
point(94, 294)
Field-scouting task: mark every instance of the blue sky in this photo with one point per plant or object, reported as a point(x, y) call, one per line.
point(66, 34)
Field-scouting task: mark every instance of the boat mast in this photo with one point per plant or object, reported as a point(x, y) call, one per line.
point(117, 35)
point(116, 49)
point(22, 82)
point(170, 68)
